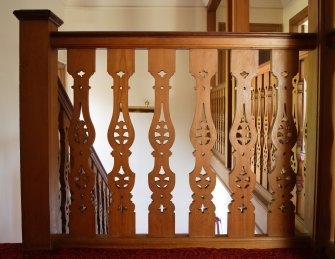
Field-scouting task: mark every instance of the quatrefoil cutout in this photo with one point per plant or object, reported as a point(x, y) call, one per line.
point(120, 74)
point(162, 73)
point(81, 73)
point(203, 73)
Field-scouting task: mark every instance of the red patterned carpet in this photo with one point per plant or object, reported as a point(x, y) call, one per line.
point(15, 251)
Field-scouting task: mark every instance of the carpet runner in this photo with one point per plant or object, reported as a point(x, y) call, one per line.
point(16, 251)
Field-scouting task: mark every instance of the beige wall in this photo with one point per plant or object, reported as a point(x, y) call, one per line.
point(257, 15)
point(291, 9)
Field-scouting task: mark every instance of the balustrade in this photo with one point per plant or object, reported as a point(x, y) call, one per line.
point(263, 134)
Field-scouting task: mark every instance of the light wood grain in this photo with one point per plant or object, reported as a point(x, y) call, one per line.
point(183, 40)
point(183, 241)
point(161, 137)
point(38, 130)
point(81, 133)
point(121, 65)
point(243, 136)
point(285, 66)
point(203, 66)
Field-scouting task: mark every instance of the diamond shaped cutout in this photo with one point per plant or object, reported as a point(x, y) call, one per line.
point(244, 74)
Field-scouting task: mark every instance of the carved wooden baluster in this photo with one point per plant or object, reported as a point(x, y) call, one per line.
point(121, 65)
point(100, 203)
point(203, 66)
point(243, 136)
point(298, 84)
point(272, 158)
point(81, 66)
point(253, 112)
point(259, 125)
point(282, 178)
point(105, 202)
point(64, 170)
point(265, 150)
point(161, 136)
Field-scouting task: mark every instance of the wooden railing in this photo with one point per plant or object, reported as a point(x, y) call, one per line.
point(264, 103)
point(101, 189)
point(39, 44)
point(218, 113)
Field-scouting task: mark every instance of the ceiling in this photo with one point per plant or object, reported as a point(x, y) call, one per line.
point(171, 3)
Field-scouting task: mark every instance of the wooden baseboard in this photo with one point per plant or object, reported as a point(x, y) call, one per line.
point(181, 241)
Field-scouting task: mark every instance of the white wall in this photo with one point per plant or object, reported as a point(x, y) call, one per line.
point(10, 209)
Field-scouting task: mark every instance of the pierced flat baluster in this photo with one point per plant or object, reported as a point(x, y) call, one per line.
point(266, 126)
point(243, 136)
point(203, 66)
point(81, 66)
point(284, 135)
point(161, 136)
point(64, 171)
point(121, 65)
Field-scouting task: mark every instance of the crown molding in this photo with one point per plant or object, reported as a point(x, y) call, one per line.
point(137, 3)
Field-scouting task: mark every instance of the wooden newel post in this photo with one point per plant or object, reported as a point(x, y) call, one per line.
point(38, 128)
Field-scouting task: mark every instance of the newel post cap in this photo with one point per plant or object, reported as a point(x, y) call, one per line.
point(41, 14)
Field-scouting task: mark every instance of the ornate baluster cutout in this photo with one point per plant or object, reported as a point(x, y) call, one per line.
point(203, 66)
point(121, 65)
point(282, 179)
point(243, 136)
point(64, 170)
point(81, 66)
point(161, 136)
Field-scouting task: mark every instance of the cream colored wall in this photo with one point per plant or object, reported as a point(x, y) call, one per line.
point(291, 9)
point(10, 208)
point(257, 15)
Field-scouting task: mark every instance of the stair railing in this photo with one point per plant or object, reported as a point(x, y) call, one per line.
point(39, 42)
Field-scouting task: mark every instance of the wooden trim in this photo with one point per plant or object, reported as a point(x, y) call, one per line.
point(64, 99)
point(298, 19)
point(258, 27)
point(238, 15)
point(183, 40)
point(141, 109)
point(213, 5)
point(67, 106)
point(39, 140)
point(181, 241)
point(62, 73)
point(320, 147)
point(211, 14)
point(43, 14)
point(266, 27)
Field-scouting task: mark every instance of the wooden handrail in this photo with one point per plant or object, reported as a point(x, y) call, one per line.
point(67, 106)
point(183, 40)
